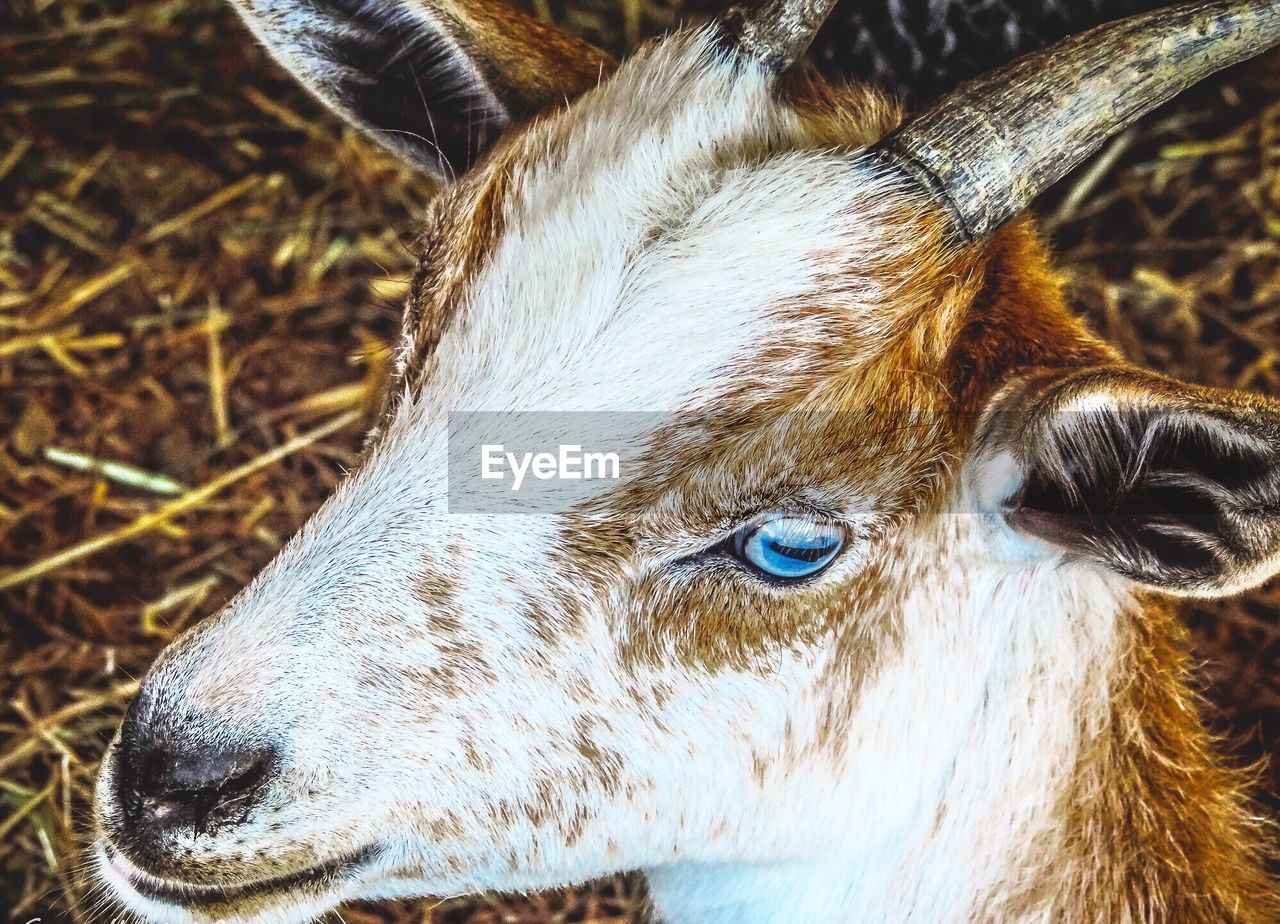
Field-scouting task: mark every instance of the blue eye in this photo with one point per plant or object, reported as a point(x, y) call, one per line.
point(789, 548)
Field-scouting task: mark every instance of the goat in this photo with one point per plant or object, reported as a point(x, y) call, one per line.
point(875, 624)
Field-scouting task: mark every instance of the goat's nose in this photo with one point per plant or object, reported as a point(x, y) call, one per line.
point(170, 785)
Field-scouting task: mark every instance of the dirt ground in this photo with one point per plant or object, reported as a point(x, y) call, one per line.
point(200, 275)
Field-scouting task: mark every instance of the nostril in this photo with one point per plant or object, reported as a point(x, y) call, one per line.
point(196, 785)
point(199, 770)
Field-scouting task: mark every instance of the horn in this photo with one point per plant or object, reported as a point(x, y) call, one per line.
point(776, 33)
point(991, 146)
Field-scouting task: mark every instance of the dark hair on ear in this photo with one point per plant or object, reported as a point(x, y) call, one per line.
point(1174, 486)
point(411, 86)
point(436, 81)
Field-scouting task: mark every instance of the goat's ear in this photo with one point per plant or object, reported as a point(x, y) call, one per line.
point(1174, 486)
point(436, 81)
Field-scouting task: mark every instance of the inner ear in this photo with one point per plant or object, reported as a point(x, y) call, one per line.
point(436, 81)
point(1173, 486)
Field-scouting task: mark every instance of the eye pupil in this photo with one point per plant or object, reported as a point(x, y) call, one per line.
point(789, 548)
point(800, 553)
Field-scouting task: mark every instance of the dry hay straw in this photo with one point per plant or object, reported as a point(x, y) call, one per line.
point(199, 280)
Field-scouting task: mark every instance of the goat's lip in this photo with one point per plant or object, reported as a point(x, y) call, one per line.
point(190, 895)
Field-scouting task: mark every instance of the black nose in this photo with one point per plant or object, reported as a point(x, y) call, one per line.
point(181, 779)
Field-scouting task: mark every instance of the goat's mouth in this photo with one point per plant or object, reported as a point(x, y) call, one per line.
point(319, 878)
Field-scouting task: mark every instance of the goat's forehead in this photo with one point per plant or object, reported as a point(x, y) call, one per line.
point(637, 249)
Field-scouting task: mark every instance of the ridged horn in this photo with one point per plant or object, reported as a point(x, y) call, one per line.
point(776, 33)
point(991, 146)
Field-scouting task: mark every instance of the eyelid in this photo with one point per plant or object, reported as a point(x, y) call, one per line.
point(711, 542)
point(729, 545)
point(802, 508)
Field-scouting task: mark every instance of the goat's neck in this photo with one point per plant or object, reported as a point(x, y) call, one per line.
point(992, 767)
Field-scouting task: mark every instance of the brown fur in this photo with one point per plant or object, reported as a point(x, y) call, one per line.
point(466, 220)
point(1160, 828)
point(529, 63)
